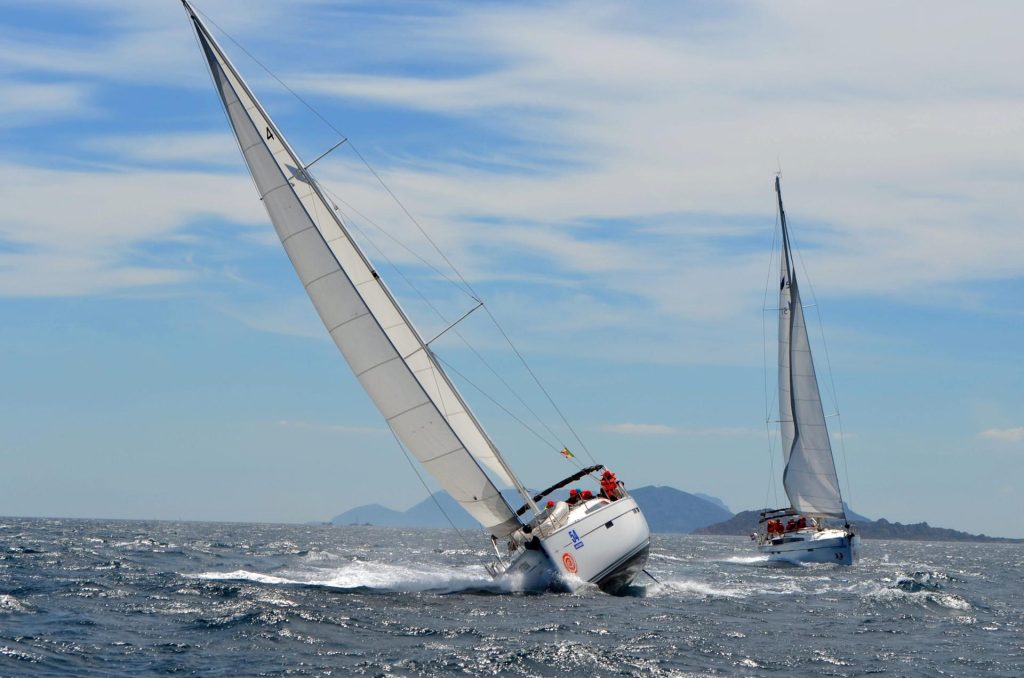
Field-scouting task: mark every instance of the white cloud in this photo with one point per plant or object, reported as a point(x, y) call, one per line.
point(660, 124)
point(893, 179)
point(24, 103)
point(73, 232)
point(196, 148)
point(1004, 435)
point(139, 42)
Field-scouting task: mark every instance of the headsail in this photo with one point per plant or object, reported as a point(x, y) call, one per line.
point(386, 354)
point(810, 477)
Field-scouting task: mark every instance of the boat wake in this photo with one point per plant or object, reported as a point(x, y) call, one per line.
point(377, 577)
point(758, 560)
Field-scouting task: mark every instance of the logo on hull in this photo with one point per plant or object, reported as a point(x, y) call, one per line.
point(569, 562)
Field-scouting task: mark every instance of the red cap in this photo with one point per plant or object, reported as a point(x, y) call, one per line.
point(572, 492)
point(587, 494)
point(551, 503)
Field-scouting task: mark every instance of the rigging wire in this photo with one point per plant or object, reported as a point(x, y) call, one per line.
point(512, 391)
point(427, 263)
point(395, 240)
point(489, 397)
point(540, 385)
point(422, 231)
point(464, 286)
point(436, 310)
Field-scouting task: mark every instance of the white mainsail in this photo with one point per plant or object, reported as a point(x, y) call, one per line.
point(386, 354)
point(810, 477)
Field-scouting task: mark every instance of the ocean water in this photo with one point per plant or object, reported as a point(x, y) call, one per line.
point(113, 598)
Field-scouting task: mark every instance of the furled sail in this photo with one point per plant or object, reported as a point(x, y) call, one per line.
point(810, 476)
point(386, 354)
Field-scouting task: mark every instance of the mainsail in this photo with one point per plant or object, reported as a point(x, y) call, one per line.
point(810, 477)
point(388, 357)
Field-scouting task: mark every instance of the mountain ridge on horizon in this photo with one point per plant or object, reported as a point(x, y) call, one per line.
point(667, 509)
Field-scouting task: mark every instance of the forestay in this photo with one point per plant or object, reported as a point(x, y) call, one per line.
point(386, 354)
point(810, 476)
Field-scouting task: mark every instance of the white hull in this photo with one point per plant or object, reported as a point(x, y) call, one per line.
point(602, 543)
point(839, 547)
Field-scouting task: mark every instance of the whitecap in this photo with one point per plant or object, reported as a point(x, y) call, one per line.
point(9, 603)
point(690, 587)
point(746, 560)
point(378, 576)
point(894, 595)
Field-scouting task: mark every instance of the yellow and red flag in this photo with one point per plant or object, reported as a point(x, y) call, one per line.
point(567, 454)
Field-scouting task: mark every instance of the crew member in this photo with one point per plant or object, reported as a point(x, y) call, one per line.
point(609, 485)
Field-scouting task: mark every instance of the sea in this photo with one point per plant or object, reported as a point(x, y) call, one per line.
point(126, 598)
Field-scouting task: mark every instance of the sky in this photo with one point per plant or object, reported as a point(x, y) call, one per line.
point(602, 178)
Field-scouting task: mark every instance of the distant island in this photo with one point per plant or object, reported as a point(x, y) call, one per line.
point(743, 524)
point(667, 510)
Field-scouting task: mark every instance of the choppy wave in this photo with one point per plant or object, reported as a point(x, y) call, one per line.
point(226, 599)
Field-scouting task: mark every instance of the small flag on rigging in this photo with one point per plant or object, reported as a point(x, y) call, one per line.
point(567, 454)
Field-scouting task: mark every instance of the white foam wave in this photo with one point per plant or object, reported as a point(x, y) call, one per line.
point(746, 560)
point(244, 575)
point(690, 587)
point(377, 576)
point(318, 556)
point(892, 595)
point(9, 603)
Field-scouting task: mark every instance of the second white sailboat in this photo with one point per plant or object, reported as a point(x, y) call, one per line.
point(814, 527)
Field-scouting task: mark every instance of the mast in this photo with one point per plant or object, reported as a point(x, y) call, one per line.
point(810, 478)
point(376, 337)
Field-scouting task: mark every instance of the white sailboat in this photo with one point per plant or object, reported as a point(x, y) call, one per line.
point(814, 528)
point(603, 539)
